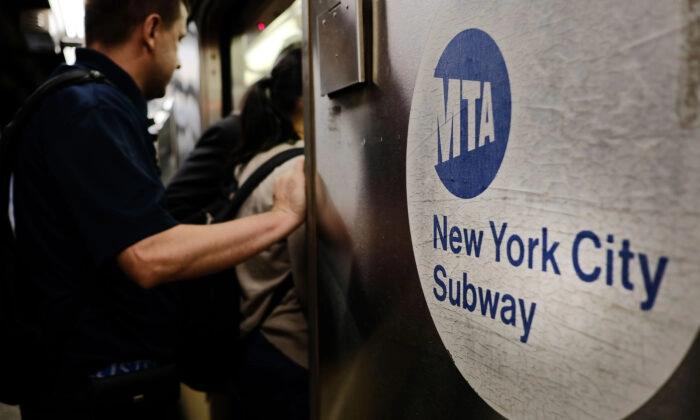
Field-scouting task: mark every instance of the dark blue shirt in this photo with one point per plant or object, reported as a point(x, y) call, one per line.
point(86, 187)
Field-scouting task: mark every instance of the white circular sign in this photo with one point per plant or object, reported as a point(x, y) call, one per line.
point(553, 189)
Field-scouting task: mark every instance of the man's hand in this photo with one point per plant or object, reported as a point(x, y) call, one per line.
point(189, 251)
point(290, 193)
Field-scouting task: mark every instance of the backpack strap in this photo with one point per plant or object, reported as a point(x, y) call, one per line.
point(11, 132)
point(72, 77)
point(277, 296)
point(242, 195)
point(250, 184)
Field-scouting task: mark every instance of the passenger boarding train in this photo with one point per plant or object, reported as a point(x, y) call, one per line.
point(504, 196)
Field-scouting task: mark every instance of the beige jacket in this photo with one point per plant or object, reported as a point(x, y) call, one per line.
point(286, 327)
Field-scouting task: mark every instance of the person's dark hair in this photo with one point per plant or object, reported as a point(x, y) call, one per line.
point(112, 21)
point(268, 106)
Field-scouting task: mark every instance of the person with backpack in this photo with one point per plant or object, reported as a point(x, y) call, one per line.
point(260, 368)
point(273, 380)
point(93, 241)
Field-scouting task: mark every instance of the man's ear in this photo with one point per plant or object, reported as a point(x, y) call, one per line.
point(150, 28)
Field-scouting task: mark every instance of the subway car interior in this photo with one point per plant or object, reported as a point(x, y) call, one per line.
point(502, 196)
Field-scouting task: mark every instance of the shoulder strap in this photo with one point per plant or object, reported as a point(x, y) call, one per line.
point(277, 296)
point(71, 77)
point(243, 193)
point(10, 134)
point(255, 179)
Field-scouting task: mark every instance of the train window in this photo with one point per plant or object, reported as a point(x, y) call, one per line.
point(254, 52)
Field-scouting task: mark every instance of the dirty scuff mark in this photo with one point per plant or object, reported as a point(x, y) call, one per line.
point(688, 101)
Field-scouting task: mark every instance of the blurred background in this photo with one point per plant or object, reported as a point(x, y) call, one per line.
point(38, 35)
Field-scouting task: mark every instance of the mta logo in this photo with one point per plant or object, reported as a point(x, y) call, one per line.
point(473, 113)
point(471, 93)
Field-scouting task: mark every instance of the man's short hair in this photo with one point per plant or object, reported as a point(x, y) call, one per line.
point(111, 22)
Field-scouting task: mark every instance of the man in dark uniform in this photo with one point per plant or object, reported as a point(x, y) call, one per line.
point(94, 240)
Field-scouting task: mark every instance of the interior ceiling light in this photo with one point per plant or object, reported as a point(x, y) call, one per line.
point(262, 53)
point(69, 16)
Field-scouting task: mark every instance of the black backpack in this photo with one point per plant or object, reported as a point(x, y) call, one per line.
point(203, 191)
point(23, 356)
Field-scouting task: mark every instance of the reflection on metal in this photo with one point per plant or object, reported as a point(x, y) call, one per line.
point(341, 45)
point(379, 354)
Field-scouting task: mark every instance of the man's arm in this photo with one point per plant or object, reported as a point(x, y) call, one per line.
point(188, 251)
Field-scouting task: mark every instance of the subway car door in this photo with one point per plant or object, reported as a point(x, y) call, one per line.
point(505, 208)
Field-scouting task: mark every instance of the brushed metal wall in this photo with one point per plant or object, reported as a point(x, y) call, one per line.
point(379, 355)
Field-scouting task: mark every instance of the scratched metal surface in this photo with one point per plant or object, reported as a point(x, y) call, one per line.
point(381, 355)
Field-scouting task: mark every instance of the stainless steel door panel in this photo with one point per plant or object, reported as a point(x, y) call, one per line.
point(379, 354)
